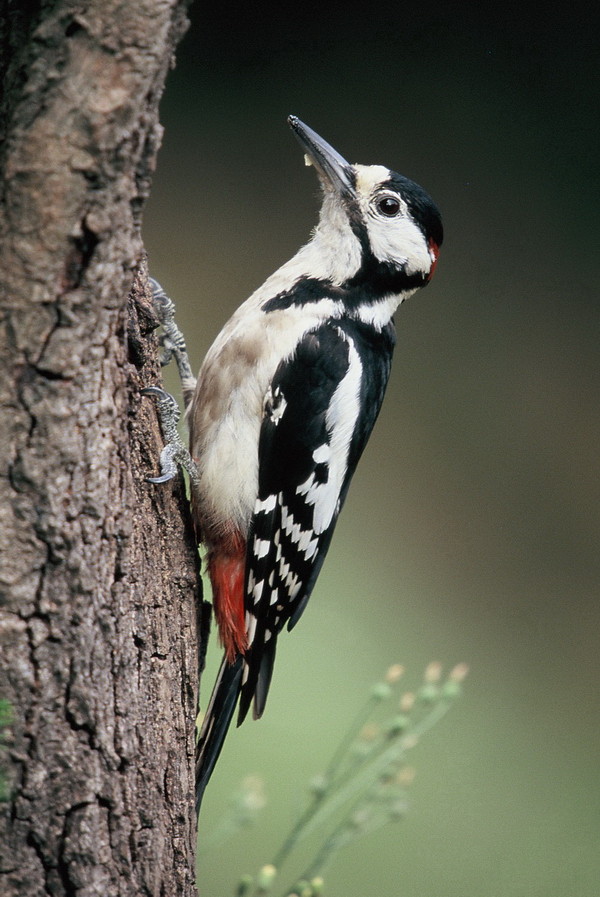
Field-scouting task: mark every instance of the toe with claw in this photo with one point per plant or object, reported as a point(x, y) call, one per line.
point(175, 453)
point(172, 341)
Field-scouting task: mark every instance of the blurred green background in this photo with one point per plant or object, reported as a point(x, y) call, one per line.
point(471, 530)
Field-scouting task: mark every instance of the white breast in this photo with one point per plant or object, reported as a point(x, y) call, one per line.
point(227, 409)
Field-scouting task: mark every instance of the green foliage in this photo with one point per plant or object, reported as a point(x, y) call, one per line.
point(365, 784)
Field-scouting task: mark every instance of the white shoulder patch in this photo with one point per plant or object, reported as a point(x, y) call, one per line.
point(341, 417)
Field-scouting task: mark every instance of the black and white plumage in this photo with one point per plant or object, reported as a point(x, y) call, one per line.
point(316, 424)
point(284, 405)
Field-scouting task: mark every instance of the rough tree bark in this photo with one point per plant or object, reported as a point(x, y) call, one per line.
point(98, 570)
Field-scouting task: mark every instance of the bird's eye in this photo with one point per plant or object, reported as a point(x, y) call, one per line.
point(389, 206)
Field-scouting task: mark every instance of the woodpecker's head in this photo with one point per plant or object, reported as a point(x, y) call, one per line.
point(383, 230)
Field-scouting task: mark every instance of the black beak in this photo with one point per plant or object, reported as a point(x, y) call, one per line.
point(333, 170)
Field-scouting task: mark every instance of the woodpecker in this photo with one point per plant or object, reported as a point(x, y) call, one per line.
point(283, 407)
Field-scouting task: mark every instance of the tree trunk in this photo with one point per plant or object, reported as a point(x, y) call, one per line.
point(98, 571)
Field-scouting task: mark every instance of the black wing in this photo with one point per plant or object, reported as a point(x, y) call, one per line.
point(319, 413)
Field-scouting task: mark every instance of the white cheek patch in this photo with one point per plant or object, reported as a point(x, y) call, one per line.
point(399, 241)
point(394, 240)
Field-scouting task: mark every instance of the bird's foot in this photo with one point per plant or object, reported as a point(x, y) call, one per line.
point(174, 454)
point(172, 341)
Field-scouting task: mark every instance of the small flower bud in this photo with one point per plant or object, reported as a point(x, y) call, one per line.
point(369, 732)
point(317, 884)
point(459, 672)
point(406, 776)
point(433, 672)
point(407, 702)
point(451, 689)
point(428, 693)
point(395, 672)
point(265, 878)
point(381, 691)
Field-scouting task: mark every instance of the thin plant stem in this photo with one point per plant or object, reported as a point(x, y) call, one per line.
point(341, 835)
point(359, 721)
point(364, 781)
point(319, 797)
point(345, 789)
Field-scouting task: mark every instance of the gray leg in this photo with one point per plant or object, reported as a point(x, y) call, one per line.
point(172, 340)
point(175, 454)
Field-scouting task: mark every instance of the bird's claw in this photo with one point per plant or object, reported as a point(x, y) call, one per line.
point(171, 340)
point(168, 408)
point(174, 454)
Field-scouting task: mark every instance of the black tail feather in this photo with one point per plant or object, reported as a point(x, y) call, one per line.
point(255, 687)
point(216, 723)
point(263, 681)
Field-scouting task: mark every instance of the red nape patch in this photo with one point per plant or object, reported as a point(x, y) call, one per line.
point(435, 251)
point(226, 567)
